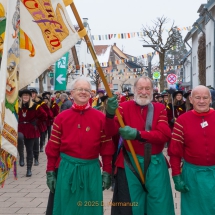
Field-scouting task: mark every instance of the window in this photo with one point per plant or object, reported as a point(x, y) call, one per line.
point(115, 87)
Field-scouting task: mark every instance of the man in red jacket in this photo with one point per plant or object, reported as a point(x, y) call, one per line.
point(193, 142)
point(78, 139)
point(145, 122)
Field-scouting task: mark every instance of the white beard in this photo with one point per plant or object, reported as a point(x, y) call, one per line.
point(142, 101)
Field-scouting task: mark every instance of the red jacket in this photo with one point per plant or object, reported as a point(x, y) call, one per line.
point(192, 142)
point(134, 116)
point(79, 134)
point(50, 117)
point(124, 99)
point(28, 125)
point(55, 109)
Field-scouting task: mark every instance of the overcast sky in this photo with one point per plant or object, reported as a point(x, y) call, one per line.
point(125, 16)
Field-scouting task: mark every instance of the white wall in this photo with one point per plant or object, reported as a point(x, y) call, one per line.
point(210, 52)
point(187, 69)
point(195, 71)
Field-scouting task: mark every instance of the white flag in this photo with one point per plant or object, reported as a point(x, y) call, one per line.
point(46, 34)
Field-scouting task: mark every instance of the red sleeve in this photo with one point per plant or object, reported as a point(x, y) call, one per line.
point(53, 146)
point(161, 133)
point(40, 113)
point(112, 125)
point(175, 150)
point(106, 151)
point(169, 112)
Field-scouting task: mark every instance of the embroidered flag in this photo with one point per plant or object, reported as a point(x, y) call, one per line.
point(46, 34)
point(9, 70)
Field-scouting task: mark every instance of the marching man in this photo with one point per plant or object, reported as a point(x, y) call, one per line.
point(193, 141)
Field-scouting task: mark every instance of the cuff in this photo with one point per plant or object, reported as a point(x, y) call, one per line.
point(107, 163)
point(110, 116)
point(139, 138)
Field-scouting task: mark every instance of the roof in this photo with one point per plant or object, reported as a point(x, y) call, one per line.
point(190, 34)
point(186, 55)
point(210, 4)
point(132, 65)
point(100, 49)
point(103, 52)
point(200, 8)
point(119, 52)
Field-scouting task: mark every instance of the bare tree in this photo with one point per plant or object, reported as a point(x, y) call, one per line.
point(122, 84)
point(202, 59)
point(154, 35)
point(96, 79)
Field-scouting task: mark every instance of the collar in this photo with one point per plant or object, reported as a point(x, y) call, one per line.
point(80, 107)
point(204, 113)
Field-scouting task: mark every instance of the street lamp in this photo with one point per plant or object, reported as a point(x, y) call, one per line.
point(149, 57)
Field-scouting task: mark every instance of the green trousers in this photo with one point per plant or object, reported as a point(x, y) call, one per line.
point(200, 200)
point(158, 200)
point(79, 187)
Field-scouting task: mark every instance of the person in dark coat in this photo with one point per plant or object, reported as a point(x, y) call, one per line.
point(66, 103)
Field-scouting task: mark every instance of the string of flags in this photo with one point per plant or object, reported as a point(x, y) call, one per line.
point(131, 35)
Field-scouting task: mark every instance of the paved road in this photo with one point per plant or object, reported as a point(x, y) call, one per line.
point(29, 196)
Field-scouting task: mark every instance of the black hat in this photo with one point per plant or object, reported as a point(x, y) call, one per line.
point(25, 91)
point(164, 93)
point(46, 93)
point(45, 97)
point(177, 92)
point(125, 90)
point(103, 98)
point(130, 94)
point(33, 90)
point(57, 92)
point(158, 96)
point(187, 94)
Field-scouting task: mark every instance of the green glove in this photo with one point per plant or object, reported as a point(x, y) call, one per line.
point(179, 184)
point(106, 180)
point(112, 105)
point(51, 180)
point(128, 133)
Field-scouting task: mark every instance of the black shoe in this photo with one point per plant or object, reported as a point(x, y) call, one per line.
point(41, 149)
point(21, 161)
point(36, 162)
point(29, 173)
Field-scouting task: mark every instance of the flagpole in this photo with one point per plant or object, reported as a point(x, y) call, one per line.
point(109, 93)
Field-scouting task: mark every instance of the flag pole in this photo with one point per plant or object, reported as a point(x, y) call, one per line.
point(109, 93)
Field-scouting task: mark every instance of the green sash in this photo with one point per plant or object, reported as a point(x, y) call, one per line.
point(201, 196)
point(159, 198)
point(79, 187)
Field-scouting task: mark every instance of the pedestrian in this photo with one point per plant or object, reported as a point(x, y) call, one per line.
point(66, 103)
point(145, 122)
point(193, 144)
point(176, 108)
point(76, 141)
point(125, 97)
point(188, 105)
point(29, 113)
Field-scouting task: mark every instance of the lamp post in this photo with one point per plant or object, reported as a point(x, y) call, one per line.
point(149, 57)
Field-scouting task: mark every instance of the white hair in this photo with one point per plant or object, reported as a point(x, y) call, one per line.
point(82, 78)
point(64, 95)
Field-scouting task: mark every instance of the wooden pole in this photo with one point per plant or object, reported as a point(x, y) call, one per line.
point(109, 93)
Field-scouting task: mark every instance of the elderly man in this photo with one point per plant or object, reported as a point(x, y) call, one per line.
point(66, 103)
point(193, 142)
point(78, 139)
point(145, 122)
